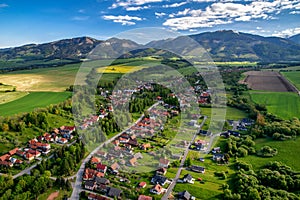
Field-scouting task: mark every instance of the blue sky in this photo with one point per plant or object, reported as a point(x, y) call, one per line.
point(36, 21)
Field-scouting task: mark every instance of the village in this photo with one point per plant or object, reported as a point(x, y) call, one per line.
point(141, 143)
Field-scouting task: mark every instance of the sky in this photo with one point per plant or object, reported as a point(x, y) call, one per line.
point(36, 21)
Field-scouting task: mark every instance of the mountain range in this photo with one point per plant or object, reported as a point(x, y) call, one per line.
point(226, 45)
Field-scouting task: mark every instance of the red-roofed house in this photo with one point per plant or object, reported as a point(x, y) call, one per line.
point(13, 152)
point(101, 168)
point(144, 197)
point(95, 160)
point(4, 157)
point(142, 184)
point(164, 162)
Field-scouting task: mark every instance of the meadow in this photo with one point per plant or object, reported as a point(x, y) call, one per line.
point(283, 104)
point(288, 152)
point(293, 77)
point(32, 101)
point(54, 79)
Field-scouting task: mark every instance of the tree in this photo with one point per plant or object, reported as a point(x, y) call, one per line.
point(188, 162)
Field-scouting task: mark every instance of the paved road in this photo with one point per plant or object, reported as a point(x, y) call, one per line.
point(174, 181)
point(27, 170)
point(77, 186)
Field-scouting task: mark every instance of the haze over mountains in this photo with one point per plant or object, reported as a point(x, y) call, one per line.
point(224, 45)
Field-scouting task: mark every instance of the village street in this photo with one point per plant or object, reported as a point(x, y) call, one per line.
point(77, 186)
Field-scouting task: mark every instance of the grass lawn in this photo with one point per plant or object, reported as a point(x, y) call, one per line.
point(288, 152)
point(31, 101)
point(231, 113)
point(293, 77)
point(283, 104)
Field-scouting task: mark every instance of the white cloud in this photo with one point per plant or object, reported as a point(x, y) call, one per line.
point(132, 3)
point(158, 15)
point(295, 12)
point(228, 12)
point(136, 8)
point(174, 5)
point(124, 20)
point(287, 32)
point(80, 18)
point(3, 5)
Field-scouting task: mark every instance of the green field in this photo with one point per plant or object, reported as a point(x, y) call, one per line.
point(31, 101)
point(288, 152)
point(283, 104)
point(293, 77)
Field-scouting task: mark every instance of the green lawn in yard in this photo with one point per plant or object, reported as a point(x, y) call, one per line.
point(288, 152)
point(283, 104)
point(293, 77)
point(32, 101)
point(231, 113)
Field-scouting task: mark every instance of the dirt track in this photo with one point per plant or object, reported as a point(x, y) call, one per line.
point(53, 196)
point(268, 81)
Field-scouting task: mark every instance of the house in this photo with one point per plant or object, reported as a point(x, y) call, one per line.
point(164, 163)
point(142, 184)
point(145, 146)
point(96, 197)
point(185, 195)
point(197, 169)
point(102, 154)
point(6, 164)
point(13, 152)
point(218, 157)
point(161, 171)
point(188, 179)
point(114, 192)
point(35, 153)
point(115, 168)
point(20, 153)
point(158, 179)
point(4, 157)
point(90, 174)
point(216, 150)
point(144, 197)
point(89, 185)
point(102, 188)
point(133, 161)
point(95, 160)
point(101, 168)
point(28, 156)
point(133, 142)
point(123, 140)
point(102, 181)
point(63, 141)
point(18, 162)
point(157, 189)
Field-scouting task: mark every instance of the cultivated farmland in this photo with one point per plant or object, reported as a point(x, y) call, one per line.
point(294, 77)
point(268, 81)
point(282, 104)
point(32, 101)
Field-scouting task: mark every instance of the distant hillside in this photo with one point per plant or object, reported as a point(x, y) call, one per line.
point(63, 49)
point(221, 46)
point(295, 38)
point(236, 46)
